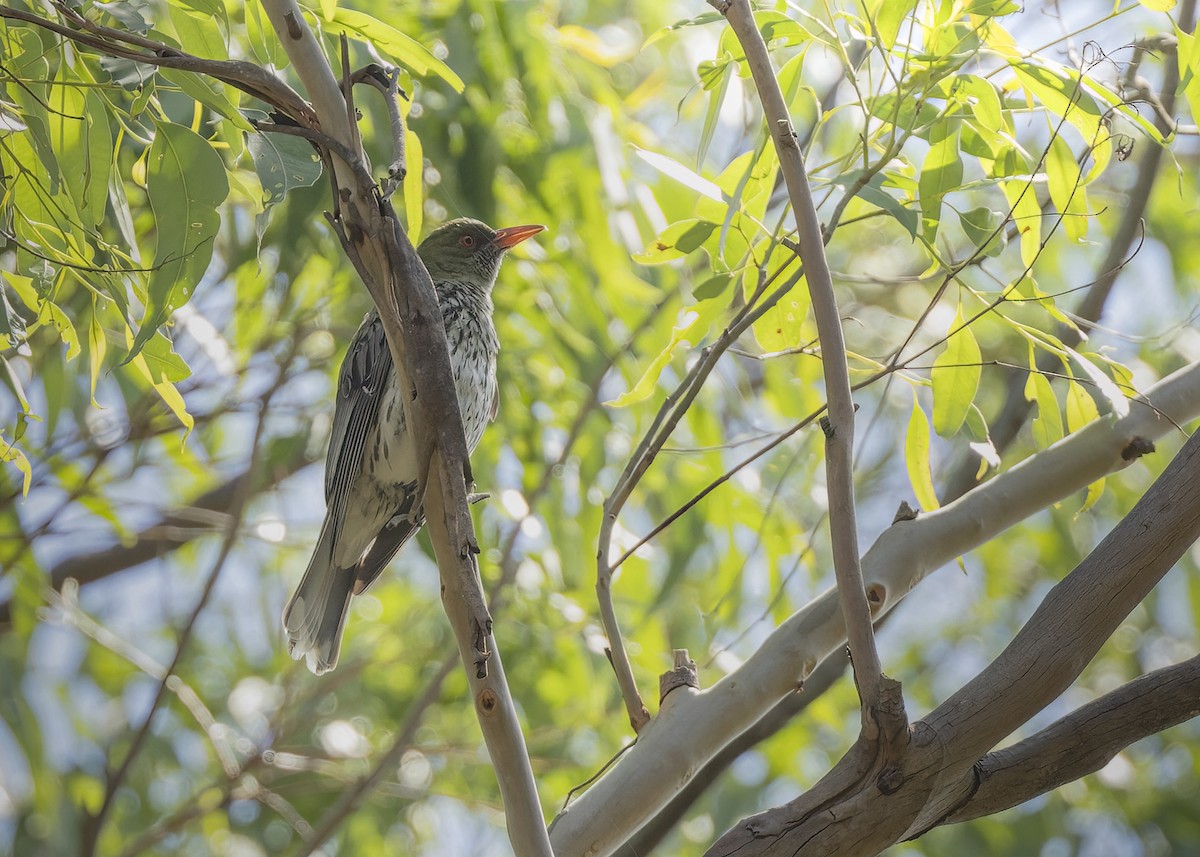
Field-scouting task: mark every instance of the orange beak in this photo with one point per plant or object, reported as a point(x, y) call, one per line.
point(511, 236)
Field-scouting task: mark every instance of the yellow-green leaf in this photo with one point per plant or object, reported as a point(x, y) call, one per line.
point(941, 173)
point(692, 327)
point(14, 456)
point(1066, 188)
point(1094, 492)
point(955, 378)
point(1081, 409)
point(1047, 425)
point(1027, 217)
point(917, 457)
point(414, 190)
point(405, 49)
point(96, 348)
point(185, 181)
point(1105, 385)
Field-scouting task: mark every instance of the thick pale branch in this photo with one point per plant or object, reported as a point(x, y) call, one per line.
point(1085, 740)
point(651, 773)
point(936, 773)
point(839, 432)
point(1070, 625)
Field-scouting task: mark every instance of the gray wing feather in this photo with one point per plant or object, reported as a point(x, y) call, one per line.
point(391, 538)
point(361, 383)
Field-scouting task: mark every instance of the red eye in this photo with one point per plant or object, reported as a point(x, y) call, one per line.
point(467, 241)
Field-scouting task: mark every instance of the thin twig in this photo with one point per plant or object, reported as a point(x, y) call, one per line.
point(347, 802)
point(840, 432)
point(246, 76)
point(93, 823)
point(1015, 410)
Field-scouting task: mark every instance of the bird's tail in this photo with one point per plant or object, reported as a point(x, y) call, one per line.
point(314, 617)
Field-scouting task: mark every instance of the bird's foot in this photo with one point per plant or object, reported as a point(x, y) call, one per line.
point(481, 619)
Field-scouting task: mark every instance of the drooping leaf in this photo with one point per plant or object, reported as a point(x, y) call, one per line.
point(955, 377)
point(414, 189)
point(97, 345)
point(1081, 408)
point(1047, 424)
point(984, 229)
point(687, 177)
point(1116, 399)
point(1066, 188)
point(403, 48)
point(692, 327)
point(942, 173)
point(185, 181)
point(917, 458)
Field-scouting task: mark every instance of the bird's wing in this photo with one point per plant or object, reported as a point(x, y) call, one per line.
point(407, 520)
point(361, 385)
point(495, 408)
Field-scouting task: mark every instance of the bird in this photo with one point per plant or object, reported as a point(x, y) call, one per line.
point(371, 468)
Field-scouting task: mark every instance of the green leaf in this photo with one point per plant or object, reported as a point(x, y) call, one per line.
point(715, 99)
point(1189, 68)
point(1026, 216)
point(706, 18)
point(198, 31)
point(984, 229)
point(210, 93)
point(404, 49)
point(1158, 5)
point(676, 241)
point(162, 360)
point(1081, 408)
point(712, 287)
point(185, 181)
point(783, 325)
point(10, 454)
point(1116, 399)
point(941, 173)
point(917, 458)
point(160, 381)
point(1047, 425)
point(1066, 188)
point(99, 157)
point(97, 345)
point(886, 16)
point(955, 378)
point(692, 327)
point(283, 163)
point(686, 177)
point(901, 213)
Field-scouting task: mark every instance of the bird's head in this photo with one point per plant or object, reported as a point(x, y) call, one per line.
point(465, 250)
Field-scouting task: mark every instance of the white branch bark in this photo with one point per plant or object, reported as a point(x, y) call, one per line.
point(664, 759)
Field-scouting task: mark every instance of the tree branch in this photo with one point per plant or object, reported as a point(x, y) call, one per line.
point(936, 774)
point(839, 431)
point(246, 76)
point(1084, 741)
point(404, 295)
point(659, 765)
